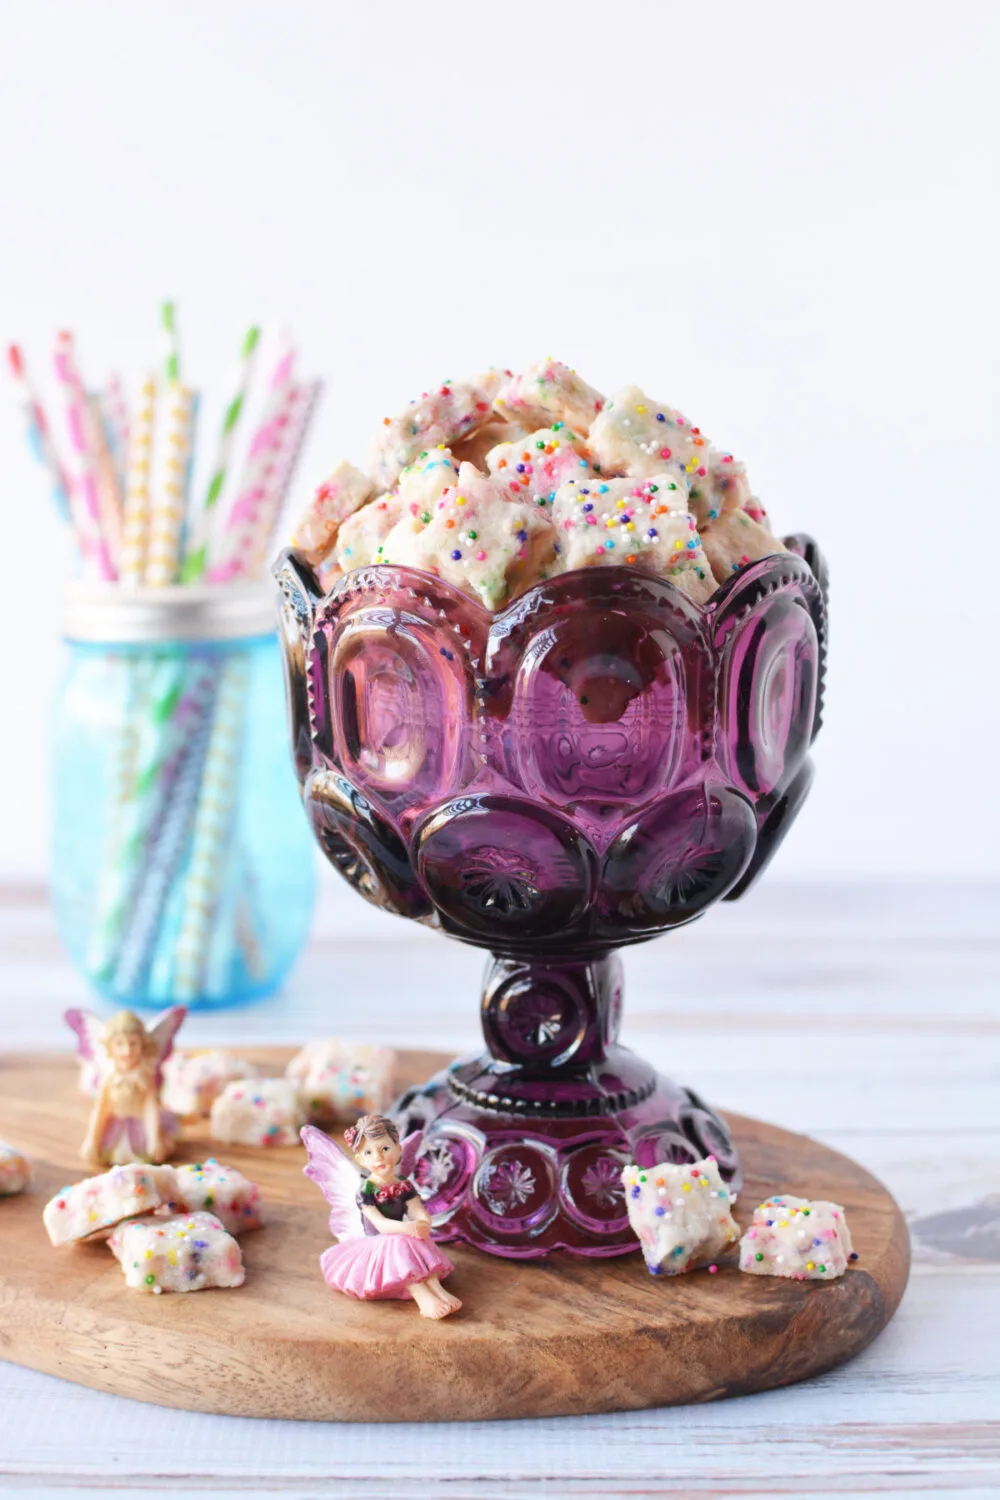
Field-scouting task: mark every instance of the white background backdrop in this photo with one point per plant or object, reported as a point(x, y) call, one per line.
point(781, 218)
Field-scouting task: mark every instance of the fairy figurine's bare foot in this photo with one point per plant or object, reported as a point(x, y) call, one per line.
point(442, 1292)
point(429, 1303)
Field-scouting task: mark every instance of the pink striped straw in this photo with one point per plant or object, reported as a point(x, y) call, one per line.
point(249, 512)
point(85, 499)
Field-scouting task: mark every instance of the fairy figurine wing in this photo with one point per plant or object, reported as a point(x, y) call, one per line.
point(163, 1028)
point(338, 1179)
point(411, 1149)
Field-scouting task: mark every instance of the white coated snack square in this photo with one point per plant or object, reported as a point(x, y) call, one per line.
point(264, 1112)
point(341, 1080)
point(681, 1214)
point(802, 1238)
point(212, 1187)
point(95, 1203)
point(184, 1253)
point(15, 1170)
point(548, 391)
point(192, 1081)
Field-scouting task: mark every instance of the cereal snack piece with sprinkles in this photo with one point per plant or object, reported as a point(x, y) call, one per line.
point(343, 492)
point(261, 1113)
point(718, 485)
point(15, 1171)
point(193, 1080)
point(547, 392)
point(801, 1238)
point(209, 1186)
point(455, 410)
point(536, 465)
point(636, 435)
point(735, 540)
point(339, 1080)
point(96, 1203)
point(681, 1214)
point(635, 522)
point(359, 540)
point(185, 1253)
point(478, 539)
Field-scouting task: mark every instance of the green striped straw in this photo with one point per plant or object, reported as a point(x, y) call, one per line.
point(196, 557)
point(172, 362)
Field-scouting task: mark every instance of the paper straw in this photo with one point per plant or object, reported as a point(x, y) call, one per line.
point(136, 519)
point(115, 415)
point(39, 434)
point(290, 452)
point(109, 495)
point(229, 555)
point(84, 502)
point(171, 474)
point(171, 352)
point(196, 559)
point(213, 828)
point(168, 846)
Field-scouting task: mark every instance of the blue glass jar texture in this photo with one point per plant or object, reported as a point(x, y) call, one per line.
point(182, 862)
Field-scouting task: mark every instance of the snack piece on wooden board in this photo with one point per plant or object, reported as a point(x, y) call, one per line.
point(476, 538)
point(264, 1112)
point(212, 1187)
point(360, 539)
point(84, 1208)
point(15, 1170)
point(343, 492)
point(634, 522)
point(802, 1238)
point(454, 410)
point(735, 540)
point(536, 465)
point(681, 1214)
point(338, 1080)
point(193, 1080)
point(639, 436)
point(183, 1253)
point(547, 392)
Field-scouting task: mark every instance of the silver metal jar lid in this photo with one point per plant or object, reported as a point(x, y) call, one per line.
point(110, 614)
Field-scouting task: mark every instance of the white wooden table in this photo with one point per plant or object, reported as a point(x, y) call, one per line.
point(867, 1017)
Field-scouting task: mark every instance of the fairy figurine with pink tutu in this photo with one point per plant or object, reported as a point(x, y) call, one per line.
point(382, 1228)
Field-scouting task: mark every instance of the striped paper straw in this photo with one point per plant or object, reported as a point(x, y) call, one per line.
point(171, 351)
point(171, 474)
point(135, 522)
point(230, 557)
point(39, 434)
point(109, 494)
point(196, 559)
point(293, 441)
point(168, 846)
point(213, 828)
point(84, 502)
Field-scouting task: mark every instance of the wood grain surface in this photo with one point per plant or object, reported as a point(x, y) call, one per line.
point(566, 1336)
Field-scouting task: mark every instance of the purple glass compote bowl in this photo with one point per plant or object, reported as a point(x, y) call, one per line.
point(596, 764)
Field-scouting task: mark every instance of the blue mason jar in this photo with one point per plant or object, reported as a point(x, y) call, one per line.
point(182, 861)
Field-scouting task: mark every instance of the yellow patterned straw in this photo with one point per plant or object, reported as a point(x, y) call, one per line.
point(169, 488)
point(135, 525)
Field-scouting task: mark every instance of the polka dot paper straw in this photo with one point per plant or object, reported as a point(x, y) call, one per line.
point(135, 524)
point(171, 472)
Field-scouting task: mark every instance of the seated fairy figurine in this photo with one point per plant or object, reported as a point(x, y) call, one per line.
point(384, 1232)
point(127, 1122)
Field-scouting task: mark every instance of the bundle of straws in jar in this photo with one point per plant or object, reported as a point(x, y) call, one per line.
point(122, 479)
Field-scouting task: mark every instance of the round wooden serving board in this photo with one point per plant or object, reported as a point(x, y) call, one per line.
point(534, 1339)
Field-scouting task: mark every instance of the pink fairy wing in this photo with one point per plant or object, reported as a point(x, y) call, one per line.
point(163, 1028)
point(411, 1148)
point(338, 1180)
point(89, 1035)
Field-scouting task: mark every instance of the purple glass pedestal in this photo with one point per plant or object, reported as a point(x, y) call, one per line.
point(595, 765)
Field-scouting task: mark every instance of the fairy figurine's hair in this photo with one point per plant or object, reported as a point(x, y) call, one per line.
point(371, 1128)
